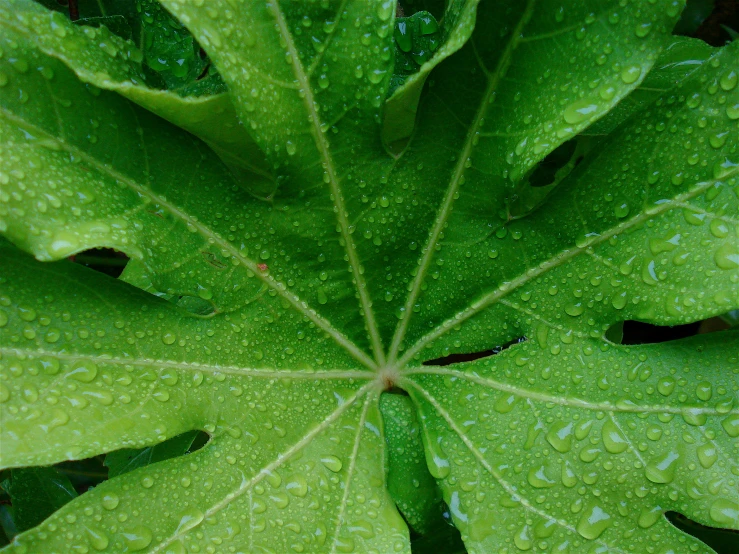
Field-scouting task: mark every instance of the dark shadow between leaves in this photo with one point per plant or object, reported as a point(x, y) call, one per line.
point(104, 260)
point(723, 541)
point(472, 356)
point(632, 332)
point(127, 459)
point(546, 171)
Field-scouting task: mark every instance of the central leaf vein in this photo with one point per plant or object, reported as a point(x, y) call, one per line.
point(333, 181)
point(494, 79)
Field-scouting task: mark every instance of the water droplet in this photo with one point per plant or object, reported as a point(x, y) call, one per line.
point(727, 256)
point(332, 463)
point(666, 385)
point(297, 486)
point(719, 139)
point(707, 455)
point(643, 29)
point(649, 517)
point(403, 36)
point(560, 436)
point(728, 80)
point(704, 390)
point(725, 512)
point(662, 470)
point(110, 501)
point(98, 539)
point(731, 426)
point(385, 10)
point(189, 518)
point(580, 111)
point(538, 478)
point(593, 521)
point(613, 440)
point(84, 371)
point(137, 539)
point(438, 462)
point(631, 74)
point(523, 539)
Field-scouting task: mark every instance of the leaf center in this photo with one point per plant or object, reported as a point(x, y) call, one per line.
point(388, 377)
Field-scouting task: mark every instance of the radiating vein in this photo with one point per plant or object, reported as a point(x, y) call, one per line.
point(505, 485)
point(246, 486)
point(454, 184)
point(566, 255)
point(539, 396)
point(333, 181)
point(193, 367)
point(296, 302)
point(350, 472)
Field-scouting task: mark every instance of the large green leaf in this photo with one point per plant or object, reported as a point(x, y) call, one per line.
point(278, 323)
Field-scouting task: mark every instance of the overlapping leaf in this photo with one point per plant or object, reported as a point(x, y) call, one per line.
point(359, 267)
point(105, 60)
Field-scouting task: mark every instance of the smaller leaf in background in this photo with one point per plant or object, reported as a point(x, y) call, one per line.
point(7, 526)
point(410, 484)
point(732, 318)
point(421, 43)
point(416, 40)
point(168, 47)
point(116, 24)
point(731, 32)
point(695, 13)
point(127, 459)
point(36, 493)
point(443, 538)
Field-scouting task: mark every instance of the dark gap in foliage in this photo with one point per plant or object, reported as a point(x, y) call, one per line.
point(407, 8)
point(715, 22)
point(84, 474)
point(201, 439)
point(723, 541)
point(635, 332)
point(396, 390)
point(30, 495)
point(105, 260)
point(444, 538)
point(546, 171)
point(40, 491)
point(74, 10)
point(128, 459)
point(472, 356)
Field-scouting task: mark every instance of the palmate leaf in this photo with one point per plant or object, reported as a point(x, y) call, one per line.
point(362, 266)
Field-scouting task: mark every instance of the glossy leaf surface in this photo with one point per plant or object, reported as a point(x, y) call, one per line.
point(284, 327)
